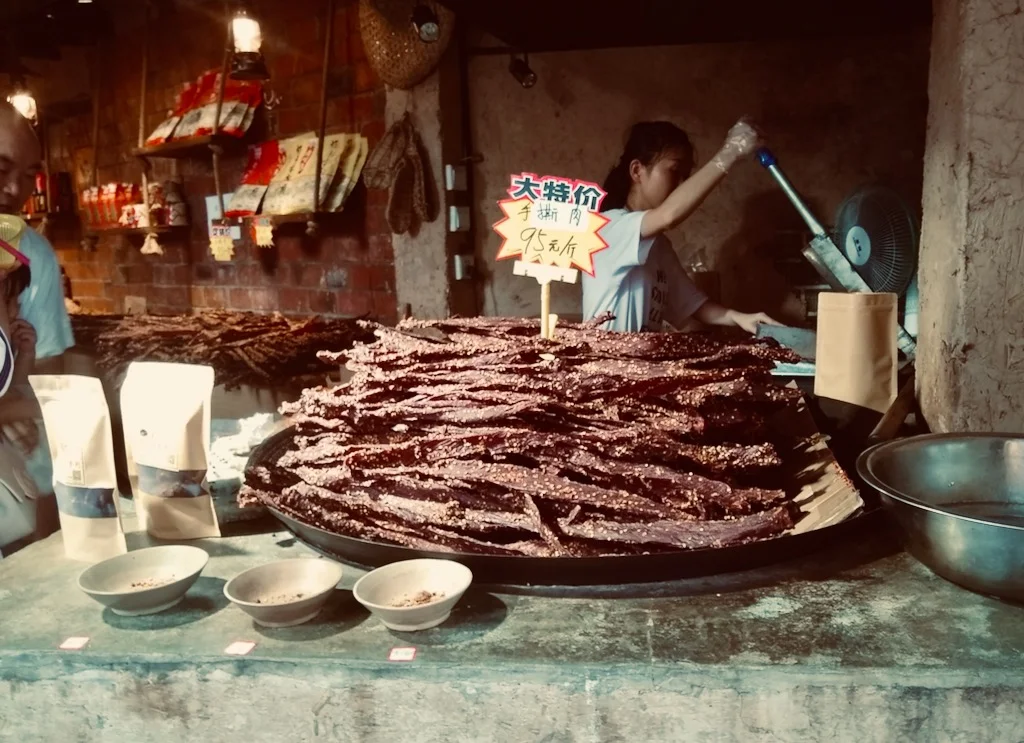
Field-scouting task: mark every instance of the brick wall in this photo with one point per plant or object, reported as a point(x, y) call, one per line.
point(347, 270)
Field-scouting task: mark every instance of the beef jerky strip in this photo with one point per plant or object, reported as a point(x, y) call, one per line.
point(696, 495)
point(685, 534)
point(541, 527)
point(700, 496)
point(429, 538)
point(427, 448)
point(737, 391)
point(338, 480)
point(636, 443)
point(544, 486)
point(381, 507)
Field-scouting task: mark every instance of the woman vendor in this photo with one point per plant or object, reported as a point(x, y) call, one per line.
point(638, 277)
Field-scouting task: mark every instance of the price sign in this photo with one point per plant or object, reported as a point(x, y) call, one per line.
point(552, 221)
point(221, 245)
point(552, 227)
point(263, 232)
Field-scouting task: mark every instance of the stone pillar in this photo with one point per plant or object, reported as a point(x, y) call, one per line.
point(971, 353)
point(422, 278)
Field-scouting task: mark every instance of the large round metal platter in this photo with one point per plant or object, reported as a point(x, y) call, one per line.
point(572, 571)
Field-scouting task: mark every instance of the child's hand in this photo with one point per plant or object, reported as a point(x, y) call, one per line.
point(23, 434)
point(23, 338)
point(749, 322)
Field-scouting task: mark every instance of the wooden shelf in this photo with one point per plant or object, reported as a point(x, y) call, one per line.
point(158, 230)
point(191, 148)
point(300, 218)
point(52, 216)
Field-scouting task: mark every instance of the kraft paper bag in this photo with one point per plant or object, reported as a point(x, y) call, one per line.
point(165, 409)
point(77, 422)
point(857, 354)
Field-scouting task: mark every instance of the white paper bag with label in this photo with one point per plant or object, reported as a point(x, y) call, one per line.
point(857, 355)
point(81, 445)
point(165, 409)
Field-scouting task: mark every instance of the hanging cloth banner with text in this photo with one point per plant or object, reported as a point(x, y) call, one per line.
point(552, 221)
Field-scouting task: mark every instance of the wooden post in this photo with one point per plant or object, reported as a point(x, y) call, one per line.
point(96, 66)
point(225, 68)
point(545, 308)
point(325, 76)
point(142, 112)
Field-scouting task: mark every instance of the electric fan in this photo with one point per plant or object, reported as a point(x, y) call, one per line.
point(878, 234)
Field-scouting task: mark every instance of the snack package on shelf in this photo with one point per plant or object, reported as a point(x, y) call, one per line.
point(91, 206)
point(81, 445)
point(106, 206)
point(184, 103)
point(237, 111)
point(241, 99)
point(205, 95)
point(295, 153)
point(298, 196)
point(264, 161)
point(134, 216)
point(177, 207)
point(348, 174)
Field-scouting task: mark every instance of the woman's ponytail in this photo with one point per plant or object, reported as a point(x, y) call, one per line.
point(647, 141)
point(617, 185)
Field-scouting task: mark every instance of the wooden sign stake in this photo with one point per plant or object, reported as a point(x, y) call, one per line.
point(545, 274)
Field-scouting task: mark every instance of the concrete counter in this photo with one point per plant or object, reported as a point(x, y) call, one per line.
point(859, 644)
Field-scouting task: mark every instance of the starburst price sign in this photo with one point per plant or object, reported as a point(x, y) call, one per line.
point(552, 228)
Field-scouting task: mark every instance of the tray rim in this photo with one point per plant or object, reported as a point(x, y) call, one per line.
point(670, 564)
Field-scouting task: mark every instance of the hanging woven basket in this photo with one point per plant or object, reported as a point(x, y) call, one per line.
point(395, 51)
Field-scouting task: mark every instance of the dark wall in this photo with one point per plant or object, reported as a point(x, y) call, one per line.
point(838, 112)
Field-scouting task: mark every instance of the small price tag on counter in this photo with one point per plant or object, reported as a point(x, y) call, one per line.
point(240, 647)
point(402, 655)
point(551, 226)
point(74, 643)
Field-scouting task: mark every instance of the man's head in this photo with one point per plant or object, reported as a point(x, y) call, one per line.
point(20, 159)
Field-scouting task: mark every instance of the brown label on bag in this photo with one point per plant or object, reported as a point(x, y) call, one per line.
point(857, 355)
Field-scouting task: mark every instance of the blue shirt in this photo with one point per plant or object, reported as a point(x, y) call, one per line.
point(42, 304)
point(640, 281)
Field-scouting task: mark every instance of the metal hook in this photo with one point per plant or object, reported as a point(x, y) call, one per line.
point(271, 100)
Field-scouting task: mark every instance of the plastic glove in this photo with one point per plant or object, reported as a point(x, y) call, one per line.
point(741, 141)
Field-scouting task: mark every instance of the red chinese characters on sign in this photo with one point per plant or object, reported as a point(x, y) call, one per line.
point(553, 221)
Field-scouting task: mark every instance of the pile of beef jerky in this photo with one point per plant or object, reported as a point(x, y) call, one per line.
point(244, 348)
point(89, 327)
point(476, 435)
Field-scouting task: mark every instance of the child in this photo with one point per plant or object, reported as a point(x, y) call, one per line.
point(20, 509)
point(638, 277)
point(18, 408)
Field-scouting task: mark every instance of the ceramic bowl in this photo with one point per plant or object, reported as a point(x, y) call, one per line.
point(144, 581)
point(413, 594)
point(284, 593)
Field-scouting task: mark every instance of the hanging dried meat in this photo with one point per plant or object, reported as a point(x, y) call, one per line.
point(244, 348)
point(476, 435)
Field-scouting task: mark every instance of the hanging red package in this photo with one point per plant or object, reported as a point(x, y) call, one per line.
point(185, 101)
point(264, 160)
point(205, 97)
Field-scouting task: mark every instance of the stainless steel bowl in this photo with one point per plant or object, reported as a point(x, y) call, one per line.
point(959, 501)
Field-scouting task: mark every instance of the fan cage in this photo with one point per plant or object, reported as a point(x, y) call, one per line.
point(892, 229)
